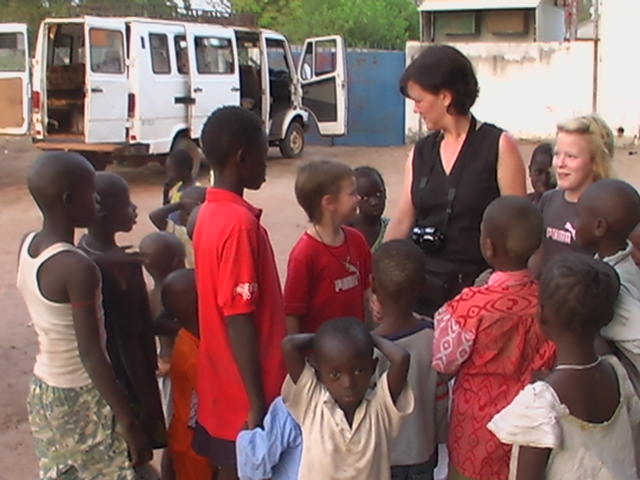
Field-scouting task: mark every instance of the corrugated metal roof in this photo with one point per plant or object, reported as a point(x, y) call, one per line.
point(456, 5)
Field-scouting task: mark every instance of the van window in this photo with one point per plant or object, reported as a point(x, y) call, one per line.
point(277, 58)
point(214, 55)
point(326, 52)
point(12, 54)
point(307, 63)
point(182, 55)
point(107, 51)
point(159, 53)
point(62, 50)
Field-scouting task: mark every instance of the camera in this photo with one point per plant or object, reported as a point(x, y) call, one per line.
point(429, 239)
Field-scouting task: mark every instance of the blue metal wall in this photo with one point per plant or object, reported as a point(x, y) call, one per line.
point(375, 107)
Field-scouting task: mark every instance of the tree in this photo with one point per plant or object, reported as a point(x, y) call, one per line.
point(363, 23)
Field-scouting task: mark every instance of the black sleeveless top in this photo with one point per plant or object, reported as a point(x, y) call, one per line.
point(474, 176)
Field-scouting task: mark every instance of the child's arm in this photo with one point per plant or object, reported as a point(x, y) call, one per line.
point(293, 324)
point(532, 463)
point(399, 360)
point(244, 344)
point(293, 348)
point(82, 288)
point(159, 216)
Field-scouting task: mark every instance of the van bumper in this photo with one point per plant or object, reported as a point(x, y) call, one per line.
point(118, 149)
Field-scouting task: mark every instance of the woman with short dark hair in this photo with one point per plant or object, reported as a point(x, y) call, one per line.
point(452, 174)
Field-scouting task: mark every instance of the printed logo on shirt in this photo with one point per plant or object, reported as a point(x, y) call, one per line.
point(566, 236)
point(346, 283)
point(246, 290)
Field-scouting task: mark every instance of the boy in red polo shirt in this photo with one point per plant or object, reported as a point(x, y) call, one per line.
point(330, 265)
point(240, 307)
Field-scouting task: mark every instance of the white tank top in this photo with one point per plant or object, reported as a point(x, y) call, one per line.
point(58, 361)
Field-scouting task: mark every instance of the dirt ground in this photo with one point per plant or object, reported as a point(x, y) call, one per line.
point(283, 218)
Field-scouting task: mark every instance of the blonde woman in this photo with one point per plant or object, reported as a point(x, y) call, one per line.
point(583, 154)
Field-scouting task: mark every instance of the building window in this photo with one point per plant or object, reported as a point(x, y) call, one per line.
point(456, 23)
point(507, 22)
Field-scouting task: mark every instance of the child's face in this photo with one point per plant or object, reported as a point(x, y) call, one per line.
point(540, 173)
point(84, 202)
point(121, 213)
point(588, 227)
point(345, 371)
point(253, 165)
point(345, 203)
point(372, 197)
point(572, 162)
point(174, 172)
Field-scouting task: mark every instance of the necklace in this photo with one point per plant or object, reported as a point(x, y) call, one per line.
point(346, 263)
point(569, 366)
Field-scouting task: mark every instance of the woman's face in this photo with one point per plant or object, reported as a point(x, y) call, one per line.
point(430, 106)
point(572, 161)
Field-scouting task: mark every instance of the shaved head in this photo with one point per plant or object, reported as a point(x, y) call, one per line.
point(514, 226)
point(180, 299)
point(163, 253)
point(110, 187)
point(615, 201)
point(55, 174)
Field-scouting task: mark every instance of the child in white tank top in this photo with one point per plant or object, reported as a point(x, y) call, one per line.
point(74, 396)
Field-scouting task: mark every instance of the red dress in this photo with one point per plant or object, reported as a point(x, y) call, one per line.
point(490, 338)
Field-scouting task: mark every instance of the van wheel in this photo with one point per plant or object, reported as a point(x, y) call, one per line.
point(194, 150)
point(99, 160)
point(292, 144)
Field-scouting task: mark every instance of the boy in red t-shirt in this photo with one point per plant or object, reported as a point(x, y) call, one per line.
point(240, 307)
point(330, 265)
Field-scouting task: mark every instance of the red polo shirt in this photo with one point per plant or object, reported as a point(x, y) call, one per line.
point(236, 274)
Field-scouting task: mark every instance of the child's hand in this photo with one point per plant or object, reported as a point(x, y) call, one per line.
point(376, 308)
point(139, 448)
point(164, 365)
point(256, 416)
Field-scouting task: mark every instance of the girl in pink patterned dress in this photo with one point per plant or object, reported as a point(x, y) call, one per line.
point(489, 338)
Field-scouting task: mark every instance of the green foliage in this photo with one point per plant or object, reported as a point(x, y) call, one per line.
point(363, 23)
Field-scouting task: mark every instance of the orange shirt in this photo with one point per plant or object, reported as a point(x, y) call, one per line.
point(183, 373)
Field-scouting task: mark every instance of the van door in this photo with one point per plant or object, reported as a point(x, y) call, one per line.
point(15, 88)
point(213, 72)
point(322, 72)
point(106, 81)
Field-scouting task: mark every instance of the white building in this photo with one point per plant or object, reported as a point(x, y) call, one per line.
point(446, 21)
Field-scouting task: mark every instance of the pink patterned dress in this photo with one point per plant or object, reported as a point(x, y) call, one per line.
point(490, 339)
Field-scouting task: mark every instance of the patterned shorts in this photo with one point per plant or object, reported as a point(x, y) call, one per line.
point(75, 434)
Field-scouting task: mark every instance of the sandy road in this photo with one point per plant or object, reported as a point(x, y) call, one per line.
point(282, 216)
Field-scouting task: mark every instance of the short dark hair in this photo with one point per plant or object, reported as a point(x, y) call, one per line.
point(399, 268)
point(181, 159)
point(347, 330)
point(316, 179)
point(580, 292)
point(367, 171)
point(544, 150)
point(515, 224)
point(227, 131)
point(443, 67)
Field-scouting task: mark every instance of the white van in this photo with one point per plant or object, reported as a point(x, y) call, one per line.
point(15, 87)
point(119, 88)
